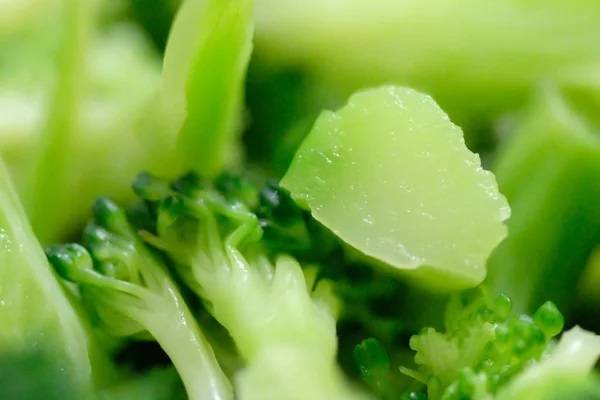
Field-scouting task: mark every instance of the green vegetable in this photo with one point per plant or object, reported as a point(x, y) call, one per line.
point(283, 104)
point(476, 59)
point(204, 67)
point(41, 331)
point(283, 327)
point(17, 18)
point(129, 118)
point(481, 341)
point(49, 164)
point(131, 293)
point(374, 365)
point(391, 176)
point(116, 77)
point(221, 282)
point(545, 169)
point(571, 361)
point(158, 384)
point(483, 353)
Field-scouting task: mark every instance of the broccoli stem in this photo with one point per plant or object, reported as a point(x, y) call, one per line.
point(49, 162)
point(545, 170)
point(205, 63)
point(179, 336)
point(40, 327)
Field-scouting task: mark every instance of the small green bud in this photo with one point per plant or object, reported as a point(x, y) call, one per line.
point(549, 319)
point(109, 215)
point(150, 188)
point(71, 261)
point(371, 355)
point(374, 365)
point(189, 184)
point(503, 337)
point(488, 315)
point(94, 234)
point(116, 261)
point(538, 340)
point(170, 210)
point(142, 215)
point(235, 187)
point(502, 308)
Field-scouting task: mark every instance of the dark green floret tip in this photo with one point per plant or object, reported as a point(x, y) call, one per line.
point(69, 260)
point(189, 184)
point(236, 187)
point(370, 355)
point(109, 215)
point(149, 187)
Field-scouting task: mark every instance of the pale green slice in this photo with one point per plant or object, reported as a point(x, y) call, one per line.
point(390, 174)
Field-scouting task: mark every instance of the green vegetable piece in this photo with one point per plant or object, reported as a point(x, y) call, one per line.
point(569, 363)
point(546, 169)
point(374, 366)
point(284, 329)
point(49, 161)
point(468, 386)
point(476, 59)
point(158, 384)
point(132, 295)
point(65, 68)
point(205, 65)
point(148, 187)
point(17, 18)
point(41, 331)
point(503, 307)
point(549, 319)
point(482, 347)
point(391, 176)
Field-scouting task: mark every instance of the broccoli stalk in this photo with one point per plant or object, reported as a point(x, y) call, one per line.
point(476, 59)
point(132, 294)
point(41, 331)
point(48, 165)
point(205, 64)
point(545, 169)
point(283, 329)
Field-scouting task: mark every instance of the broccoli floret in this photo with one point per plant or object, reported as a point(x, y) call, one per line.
point(483, 352)
point(562, 372)
point(282, 322)
point(482, 343)
point(569, 363)
point(131, 294)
